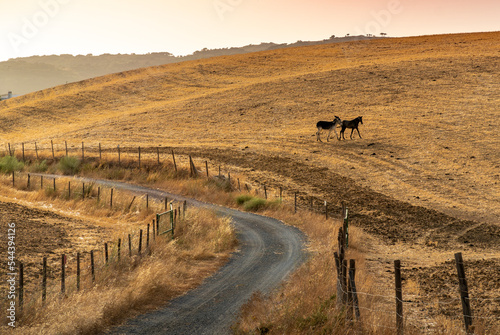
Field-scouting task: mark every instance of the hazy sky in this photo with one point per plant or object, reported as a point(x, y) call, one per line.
point(44, 27)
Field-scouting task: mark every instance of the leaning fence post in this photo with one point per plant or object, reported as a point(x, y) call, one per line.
point(106, 252)
point(352, 274)
point(173, 158)
point(63, 274)
point(464, 293)
point(119, 247)
point(140, 241)
point(147, 238)
point(92, 268)
point(399, 297)
point(78, 271)
point(129, 246)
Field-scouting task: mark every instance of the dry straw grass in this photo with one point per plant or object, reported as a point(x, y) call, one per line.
point(127, 288)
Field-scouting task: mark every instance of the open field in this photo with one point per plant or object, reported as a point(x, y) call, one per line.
point(424, 180)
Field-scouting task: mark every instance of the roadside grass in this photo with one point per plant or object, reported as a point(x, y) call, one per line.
point(133, 286)
point(305, 304)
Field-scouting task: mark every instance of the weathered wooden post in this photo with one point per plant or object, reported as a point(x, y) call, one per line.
point(66, 145)
point(140, 241)
point(352, 275)
point(147, 238)
point(106, 252)
point(78, 271)
point(100, 155)
point(92, 268)
point(10, 151)
point(464, 293)
point(52, 146)
point(69, 190)
point(206, 167)
point(173, 158)
point(63, 274)
point(83, 190)
point(29, 180)
point(399, 297)
point(119, 248)
point(41, 182)
point(54, 181)
point(111, 199)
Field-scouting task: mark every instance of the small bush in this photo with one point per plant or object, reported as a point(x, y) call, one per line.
point(255, 204)
point(8, 164)
point(241, 199)
point(39, 166)
point(69, 165)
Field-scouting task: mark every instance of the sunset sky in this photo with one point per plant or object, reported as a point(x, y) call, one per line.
point(44, 27)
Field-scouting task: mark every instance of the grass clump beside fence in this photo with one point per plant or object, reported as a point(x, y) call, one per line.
point(9, 164)
point(254, 204)
point(69, 165)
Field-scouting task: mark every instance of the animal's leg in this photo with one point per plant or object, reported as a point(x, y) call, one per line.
point(352, 131)
point(336, 134)
point(358, 133)
point(342, 133)
point(328, 137)
point(318, 138)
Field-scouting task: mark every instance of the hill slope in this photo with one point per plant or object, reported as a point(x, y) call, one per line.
point(429, 106)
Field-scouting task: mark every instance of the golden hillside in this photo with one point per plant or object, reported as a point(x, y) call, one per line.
point(429, 106)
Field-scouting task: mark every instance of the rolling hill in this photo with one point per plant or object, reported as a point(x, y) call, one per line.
point(429, 106)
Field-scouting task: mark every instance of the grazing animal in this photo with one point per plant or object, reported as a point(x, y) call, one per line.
point(352, 124)
point(328, 126)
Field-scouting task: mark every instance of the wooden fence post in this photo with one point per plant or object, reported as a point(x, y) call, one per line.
point(140, 241)
point(54, 181)
point(63, 274)
point(83, 190)
point(69, 190)
point(52, 146)
point(173, 158)
point(399, 297)
point(350, 304)
point(44, 279)
point(352, 275)
point(41, 182)
point(92, 268)
point(129, 246)
point(29, 180)
point(10, 151)
point(100, 155)
point(119, 248)
point(66, 145)
point(147, 238)
point(464, 293)
point(106, 252)
point(111, 199)
point(78, 271)
point(346, 227)
point(206, 167)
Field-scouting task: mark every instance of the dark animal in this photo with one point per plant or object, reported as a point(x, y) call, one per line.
point(352, 124)
point(328, 126)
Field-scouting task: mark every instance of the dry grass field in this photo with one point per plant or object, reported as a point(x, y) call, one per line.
point(423, 181)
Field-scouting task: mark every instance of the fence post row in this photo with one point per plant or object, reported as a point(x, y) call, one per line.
point(399, 297)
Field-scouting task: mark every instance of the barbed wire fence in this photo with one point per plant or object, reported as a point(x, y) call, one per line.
point(362, 306)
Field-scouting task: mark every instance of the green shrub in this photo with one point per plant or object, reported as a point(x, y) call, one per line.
point(39, 166)
point(69, 165)
point(255, 204)
point(241, 199)
point(8, 164)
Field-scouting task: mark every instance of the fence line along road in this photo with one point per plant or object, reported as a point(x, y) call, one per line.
point(268, 252)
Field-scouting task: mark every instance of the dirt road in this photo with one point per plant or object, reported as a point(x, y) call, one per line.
point(269, 251)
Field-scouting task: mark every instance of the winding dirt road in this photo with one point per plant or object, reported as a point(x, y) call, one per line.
point(269, 251)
